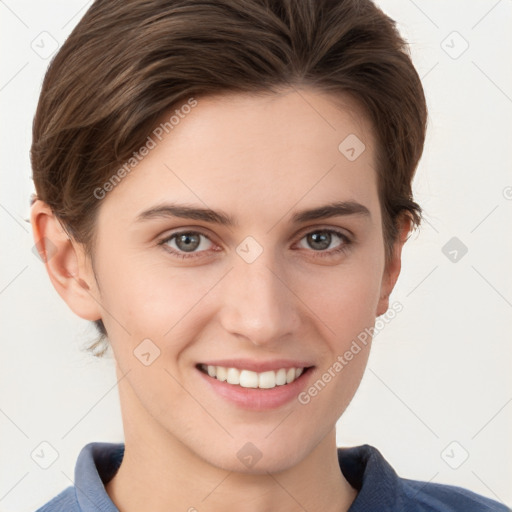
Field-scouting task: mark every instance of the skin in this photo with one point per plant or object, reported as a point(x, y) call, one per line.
point(260, 159)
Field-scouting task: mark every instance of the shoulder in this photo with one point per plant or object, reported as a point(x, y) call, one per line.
point(426, 496)
point(64, 502)
point(380, 488)
point(96, 464)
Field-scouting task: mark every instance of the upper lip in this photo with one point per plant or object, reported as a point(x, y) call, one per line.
point(258, 366)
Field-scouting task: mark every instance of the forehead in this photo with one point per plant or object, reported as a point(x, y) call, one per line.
point(254, 154)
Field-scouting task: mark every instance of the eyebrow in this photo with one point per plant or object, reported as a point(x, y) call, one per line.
point(169, 210)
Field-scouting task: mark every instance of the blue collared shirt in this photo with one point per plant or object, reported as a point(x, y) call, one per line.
point(380, 489)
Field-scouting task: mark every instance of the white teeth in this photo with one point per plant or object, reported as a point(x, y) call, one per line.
point(249, 379)
point(281, 377)
point(233, 376)
point(222, 373)
point(267, 380)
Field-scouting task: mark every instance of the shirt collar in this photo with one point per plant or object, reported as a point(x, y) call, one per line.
point(366, 470)
point(96, 465)
point(364, 467)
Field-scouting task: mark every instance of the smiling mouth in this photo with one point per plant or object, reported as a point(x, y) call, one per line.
point(249, 379)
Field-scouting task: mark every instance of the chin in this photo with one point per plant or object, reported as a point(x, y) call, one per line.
point(255, 458)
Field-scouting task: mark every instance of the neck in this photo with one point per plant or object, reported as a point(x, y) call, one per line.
point(160, 473)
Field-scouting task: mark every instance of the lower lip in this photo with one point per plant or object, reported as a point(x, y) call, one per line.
point(257, 399)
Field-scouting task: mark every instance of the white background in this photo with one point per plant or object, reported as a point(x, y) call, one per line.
point(439, 372)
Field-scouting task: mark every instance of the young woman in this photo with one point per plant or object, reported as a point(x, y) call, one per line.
point(225, 189)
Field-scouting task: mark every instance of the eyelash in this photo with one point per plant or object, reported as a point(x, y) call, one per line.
point(346, 242)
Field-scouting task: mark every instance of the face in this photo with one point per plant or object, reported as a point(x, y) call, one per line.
point(274, 298)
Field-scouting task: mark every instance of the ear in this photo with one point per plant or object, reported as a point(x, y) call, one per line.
point(68, 267)
point(393, 266)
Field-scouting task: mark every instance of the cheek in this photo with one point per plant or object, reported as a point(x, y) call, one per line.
point(345, 302)
point(142, 300)
point(345, 298)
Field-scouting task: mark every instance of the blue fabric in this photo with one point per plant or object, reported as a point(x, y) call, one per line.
point(380, 488)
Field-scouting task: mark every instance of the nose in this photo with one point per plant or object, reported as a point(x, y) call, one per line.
point(258, 302)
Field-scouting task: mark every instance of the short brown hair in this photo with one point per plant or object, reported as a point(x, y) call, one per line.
point(129, 61)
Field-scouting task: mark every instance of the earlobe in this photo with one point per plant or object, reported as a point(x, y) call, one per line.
point(65, 262)
point(393, 266)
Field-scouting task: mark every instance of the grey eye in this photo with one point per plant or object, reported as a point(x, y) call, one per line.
point(188, 241)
